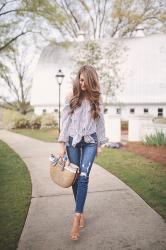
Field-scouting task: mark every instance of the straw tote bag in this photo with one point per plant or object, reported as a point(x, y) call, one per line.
point(62, 171)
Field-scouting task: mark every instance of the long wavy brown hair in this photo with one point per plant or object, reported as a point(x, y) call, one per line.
point(92, 92)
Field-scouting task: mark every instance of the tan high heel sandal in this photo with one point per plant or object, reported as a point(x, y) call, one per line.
point(75, 232)
point(82, 221)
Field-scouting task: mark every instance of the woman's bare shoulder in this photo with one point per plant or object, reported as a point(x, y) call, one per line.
point(69, 96)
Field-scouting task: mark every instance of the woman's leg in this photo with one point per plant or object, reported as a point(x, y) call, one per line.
point(72, 152)
point(74, 155)
point(88, 155)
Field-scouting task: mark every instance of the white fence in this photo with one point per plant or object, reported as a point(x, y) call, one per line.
point(151, 129)
point(135, 124)
point(138, 127)
point(113, 127)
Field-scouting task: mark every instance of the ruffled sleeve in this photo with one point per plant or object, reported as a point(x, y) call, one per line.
point(100, 126)
point(64, 123)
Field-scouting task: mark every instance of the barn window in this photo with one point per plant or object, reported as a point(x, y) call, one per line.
point(55, 110)
point(44, 111)
point(146, 111)
point(132, 111)
point(160, 112)
point(105, 110)
point(118, 111)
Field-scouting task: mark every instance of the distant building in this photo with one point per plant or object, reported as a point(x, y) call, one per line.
point(144, 78)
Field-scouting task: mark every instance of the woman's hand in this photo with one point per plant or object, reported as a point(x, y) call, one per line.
point(99, 150)
point(61, 149)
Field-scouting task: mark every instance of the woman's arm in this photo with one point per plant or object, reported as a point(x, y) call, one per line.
point(100, 128)
point(65, 121)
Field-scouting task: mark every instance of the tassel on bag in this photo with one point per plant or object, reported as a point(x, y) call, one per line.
point(62, 171)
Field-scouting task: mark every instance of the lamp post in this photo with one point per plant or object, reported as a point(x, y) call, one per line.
point(59, 77)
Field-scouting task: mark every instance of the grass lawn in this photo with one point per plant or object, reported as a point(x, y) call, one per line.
point(15, 195)
point(146, 178)
point(47, 135)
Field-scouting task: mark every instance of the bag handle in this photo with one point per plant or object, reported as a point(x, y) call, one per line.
point(64, 159)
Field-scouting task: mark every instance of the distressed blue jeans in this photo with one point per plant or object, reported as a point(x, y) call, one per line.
point(83, 155)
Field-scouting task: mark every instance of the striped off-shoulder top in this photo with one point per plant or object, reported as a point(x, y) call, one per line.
point(81, 124)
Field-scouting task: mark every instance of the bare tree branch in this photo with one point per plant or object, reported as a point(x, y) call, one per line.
point(69, 25)
point(9, 11)
point(3, 5)
point(10, 104)
point(12, 40)
point(102, 17)
point(72, 14)
point(17, 87)
point(86, 8)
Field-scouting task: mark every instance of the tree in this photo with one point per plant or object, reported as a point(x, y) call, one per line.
point(127, 15)
point(87, 16)
point(89, 52)
point(21, 22)
point(16, 82)
point(97, 19)
point(21, 17)
point(118, 18)
point(105, 56)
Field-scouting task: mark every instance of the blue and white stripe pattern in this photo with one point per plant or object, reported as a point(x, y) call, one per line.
point(80, 123)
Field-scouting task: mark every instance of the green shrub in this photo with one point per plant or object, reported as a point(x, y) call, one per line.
point(22, 122)
point(35, 121)
point(48, 120)
point(156, 139)
point(15, 120)
point(7, 118)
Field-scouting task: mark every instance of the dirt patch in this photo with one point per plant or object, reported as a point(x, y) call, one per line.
point(157, 154)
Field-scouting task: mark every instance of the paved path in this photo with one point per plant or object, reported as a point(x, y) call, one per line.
point(117, 218)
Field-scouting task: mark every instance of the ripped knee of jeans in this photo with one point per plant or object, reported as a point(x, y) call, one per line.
point(83, 174)
point(85, 170)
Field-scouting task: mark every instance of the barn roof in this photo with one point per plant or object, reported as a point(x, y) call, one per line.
point(143, 70)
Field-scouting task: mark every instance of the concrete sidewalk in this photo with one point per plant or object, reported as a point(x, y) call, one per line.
point(117, 218)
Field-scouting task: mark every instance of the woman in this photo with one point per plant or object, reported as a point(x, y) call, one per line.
point(82, 134)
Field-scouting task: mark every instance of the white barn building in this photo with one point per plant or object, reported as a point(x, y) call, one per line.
point(144, 78)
